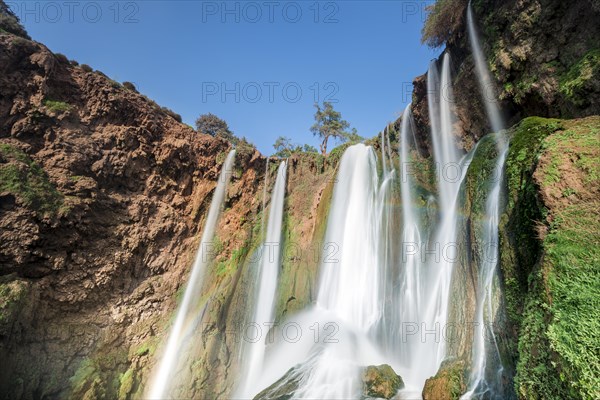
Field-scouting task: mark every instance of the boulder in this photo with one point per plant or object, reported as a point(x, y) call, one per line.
point(381, 382)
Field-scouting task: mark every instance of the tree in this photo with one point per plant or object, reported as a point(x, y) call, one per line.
point(329, 124)
point(283, 147)
point(214, 126)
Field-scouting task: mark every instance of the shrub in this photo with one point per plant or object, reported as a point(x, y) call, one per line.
point(444, 18)
point(10, 23)
point(87, 68)
point(74, 63)
point(172, 114)
point(26, 179)
point(61, 58)
point(130, 86)
point(57, 106)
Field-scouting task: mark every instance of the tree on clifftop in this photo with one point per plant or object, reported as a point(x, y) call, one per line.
point(329, 124)
point(214, 126)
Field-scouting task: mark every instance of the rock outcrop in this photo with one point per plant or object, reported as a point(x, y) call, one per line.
point(381, 382)
point(103, 196)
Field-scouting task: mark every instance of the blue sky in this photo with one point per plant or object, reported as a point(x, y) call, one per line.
point(258, 65)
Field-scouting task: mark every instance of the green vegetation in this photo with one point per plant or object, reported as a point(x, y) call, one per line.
point(27, 181)
point(57, 106)
point(551, 252)
point(212, 125)
point(330, 125)
point(284, 147)
point(10, 23)
point(130, 86)
point(444, 18)
point(126, 383)
point(12, 294)
point(519, 241)
point(172, 114)
point(61, 58)
point(449, 382)
point(575, 80)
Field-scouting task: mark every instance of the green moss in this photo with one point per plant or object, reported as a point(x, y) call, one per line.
point(26, 180)
point(448, 382)
point(230, 265)
point(480, 173)
point(126, 384)
point(335, 155)
point(572, 82)
point(556, 275)
point(12, 294)
point(573, 252)
point(57, 106)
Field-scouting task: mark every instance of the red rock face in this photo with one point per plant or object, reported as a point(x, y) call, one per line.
point(99, 235)
point(129, 188)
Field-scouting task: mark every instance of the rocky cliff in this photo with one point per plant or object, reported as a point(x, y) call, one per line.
point(103, 196)
point(544, 60)
point(543, 54)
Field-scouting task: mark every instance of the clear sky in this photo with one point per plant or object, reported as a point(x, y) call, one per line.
point(258, 65)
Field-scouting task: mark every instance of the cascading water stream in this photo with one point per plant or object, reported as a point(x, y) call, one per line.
point(486, 85)
point(436, 278)
point(368, 291)
point(349, 305)
point(484, 312)
point(383, 156)
point(187, 315)
point(270, 263)
point(264, 199)
point(478, 384)
point(349, 286)
point(410, 282)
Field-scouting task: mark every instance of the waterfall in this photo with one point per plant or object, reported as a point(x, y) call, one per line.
point(337, 340)
point(270, 264)
point(349, 287)
point(483, 74)
point(383, 157)
point(390, 305)
point(450, 173)
point(411, 282)
point(187, 315)
point(264, 199)
point(487, 274)
point(484, 312)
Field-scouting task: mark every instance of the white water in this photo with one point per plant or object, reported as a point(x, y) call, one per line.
point(411, 284)
point(187, 316)
point(451, 169)
point(487, 87)
point(383, 155)
point(484, 317)
point(484, 313)
point(373, 292)
point(264, 199)
point(270, 264)
point(336, 341)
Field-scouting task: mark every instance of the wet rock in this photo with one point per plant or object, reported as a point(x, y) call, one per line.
point(448, 383)
point(283, 389)
point(381, 382)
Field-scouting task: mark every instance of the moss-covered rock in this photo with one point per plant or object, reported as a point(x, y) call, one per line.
point(449, 383)
point(23, 178)
point(549, 256)
point(381, 382)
